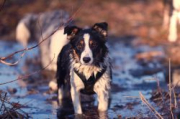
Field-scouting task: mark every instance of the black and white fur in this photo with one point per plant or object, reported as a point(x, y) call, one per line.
point(87, 54)
point(171, 18)
point(40, 26)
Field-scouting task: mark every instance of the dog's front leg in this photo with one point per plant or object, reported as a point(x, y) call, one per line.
point(75, 95)
point(173, 27)
point(102, 89)
point(103, 99)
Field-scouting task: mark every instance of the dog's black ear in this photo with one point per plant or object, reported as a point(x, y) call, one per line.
point(101, 28)
point(71, 31)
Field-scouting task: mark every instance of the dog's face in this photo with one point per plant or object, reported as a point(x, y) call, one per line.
point(88, 45)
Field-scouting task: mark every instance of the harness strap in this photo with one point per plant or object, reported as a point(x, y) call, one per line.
point(89, 83)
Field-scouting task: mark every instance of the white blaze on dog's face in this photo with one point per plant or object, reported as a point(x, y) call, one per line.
point(86, 55)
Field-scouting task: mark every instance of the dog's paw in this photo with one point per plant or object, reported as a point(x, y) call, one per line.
point(53, 85)
point(103, 115)
point(79, 116)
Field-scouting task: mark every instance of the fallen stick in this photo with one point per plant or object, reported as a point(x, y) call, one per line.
point(158, 116)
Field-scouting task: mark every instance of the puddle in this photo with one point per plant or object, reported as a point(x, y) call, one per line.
point(128, 80)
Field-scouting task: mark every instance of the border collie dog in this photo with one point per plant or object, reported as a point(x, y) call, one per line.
point(171, 17)
point(41, 26)
point(84, 65)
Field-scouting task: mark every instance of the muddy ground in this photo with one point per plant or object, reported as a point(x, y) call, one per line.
point(138, 48)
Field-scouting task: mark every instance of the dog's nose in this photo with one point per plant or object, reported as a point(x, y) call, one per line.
point(86, 59)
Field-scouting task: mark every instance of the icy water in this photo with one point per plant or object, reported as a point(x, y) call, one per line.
point(130, 77)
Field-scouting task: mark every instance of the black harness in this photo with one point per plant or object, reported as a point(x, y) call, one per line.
point(89, 83)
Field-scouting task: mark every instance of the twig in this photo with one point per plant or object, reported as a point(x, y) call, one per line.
point(24, 77)
point(26, 49)
point(15, 63)
point(159, 91)
point(74, 14)
point(170, 90)
point(13, 108)
point(158, 116)
point(5, 108)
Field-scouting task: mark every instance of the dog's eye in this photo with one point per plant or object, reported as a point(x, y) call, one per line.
point(80, 45)
point(93, 44)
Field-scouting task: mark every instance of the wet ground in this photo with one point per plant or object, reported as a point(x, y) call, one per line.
point(133, 73)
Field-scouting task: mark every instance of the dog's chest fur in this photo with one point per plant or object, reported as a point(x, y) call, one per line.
point(88, 71)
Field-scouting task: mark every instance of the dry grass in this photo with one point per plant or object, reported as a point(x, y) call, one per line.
point(165, 101)
point(10, 110)
point(151, 108)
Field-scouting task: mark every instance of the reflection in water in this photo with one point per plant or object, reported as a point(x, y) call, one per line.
point(103, 115)
point(90, 114)
point(89, 109)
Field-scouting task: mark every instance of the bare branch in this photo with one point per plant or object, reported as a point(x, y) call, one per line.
point(27, 75)
point(15, 63)
point(158, 116)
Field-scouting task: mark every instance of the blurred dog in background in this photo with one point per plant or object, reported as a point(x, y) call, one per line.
point(40, 26)
point(171, 18)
